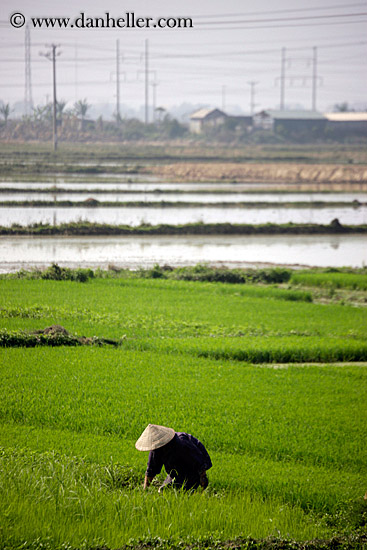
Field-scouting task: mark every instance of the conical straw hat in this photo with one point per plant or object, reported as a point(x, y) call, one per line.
point(154, 437)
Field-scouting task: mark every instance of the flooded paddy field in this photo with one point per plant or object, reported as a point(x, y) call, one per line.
point(148, 183)
point(147, 195)
point(57, 178)
point(138, 251)
point(347, 204)
point(135, 216)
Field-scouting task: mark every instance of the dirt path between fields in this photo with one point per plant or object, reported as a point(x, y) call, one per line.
point(264, 173)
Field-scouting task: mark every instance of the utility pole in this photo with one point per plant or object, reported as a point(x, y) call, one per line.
point(118, 83)
point(118, 116)
point(282, 79)
point(51, 55)
point(314, 78)
point(54, 95)
point(154, 86)
point(146, 72)
point(252, 96)
point(28, 101)
point(146, 82)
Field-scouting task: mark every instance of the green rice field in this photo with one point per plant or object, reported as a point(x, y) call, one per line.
point(331, 280)
point(273, 383)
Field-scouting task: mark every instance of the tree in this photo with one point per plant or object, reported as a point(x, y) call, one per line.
point(160, 112)
point(81, 108)
point(342, 107)
point(60, 108)
point(172, 128)
point(42, 112)
point(5, 112)
point(118, 118)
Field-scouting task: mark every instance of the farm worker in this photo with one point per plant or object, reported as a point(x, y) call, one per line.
point(184, 457)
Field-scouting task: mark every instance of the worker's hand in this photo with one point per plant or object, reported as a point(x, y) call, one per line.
point(204, 480)
point(147, 482)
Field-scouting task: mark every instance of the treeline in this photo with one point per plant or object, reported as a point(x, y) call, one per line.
point(72, 128)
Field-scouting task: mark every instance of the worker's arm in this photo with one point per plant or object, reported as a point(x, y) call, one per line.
point(147, 481)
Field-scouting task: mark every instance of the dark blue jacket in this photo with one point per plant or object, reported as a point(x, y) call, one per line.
point(184, 458)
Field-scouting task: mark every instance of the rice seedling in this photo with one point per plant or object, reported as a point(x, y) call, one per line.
point(331, 279)
point(287, 441)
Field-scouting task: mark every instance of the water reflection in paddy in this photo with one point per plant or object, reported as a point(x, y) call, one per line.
point(230, 250)
point(187, 197)
point(150, 186)
point(139, 186)
point(170, 215)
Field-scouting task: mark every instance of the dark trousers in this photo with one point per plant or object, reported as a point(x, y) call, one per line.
point(187, 484)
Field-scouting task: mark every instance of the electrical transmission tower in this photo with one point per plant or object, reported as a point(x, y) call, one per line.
point(117, 74)
point(252, 100)
point(118, 114)
point(146, 72)
point(154, 85)
point(51, 55)
point(146, 81)
point(298, 79)
point(28, 101)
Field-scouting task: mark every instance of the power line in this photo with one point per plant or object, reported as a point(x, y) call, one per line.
point(280, 26)
point(220, 59)
point(213, 57)
point(288, 10)
point(159, 54)
point(280, 20)
point(220, 43)
point(66, 59)
point(248, 52)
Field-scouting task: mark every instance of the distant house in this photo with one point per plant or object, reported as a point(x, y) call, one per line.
point(79, 123)
point(347, 123)
point(289, 121)
point(206, 118)
point(240, 122)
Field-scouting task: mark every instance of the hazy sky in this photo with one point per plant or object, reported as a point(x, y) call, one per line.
point(233, 42)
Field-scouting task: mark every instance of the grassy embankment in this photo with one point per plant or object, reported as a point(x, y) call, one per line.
point(88, 228)
point(90, 203)
point(287, 443)
point(323, 153)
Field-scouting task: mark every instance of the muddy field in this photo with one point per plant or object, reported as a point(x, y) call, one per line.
point(259, 172)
